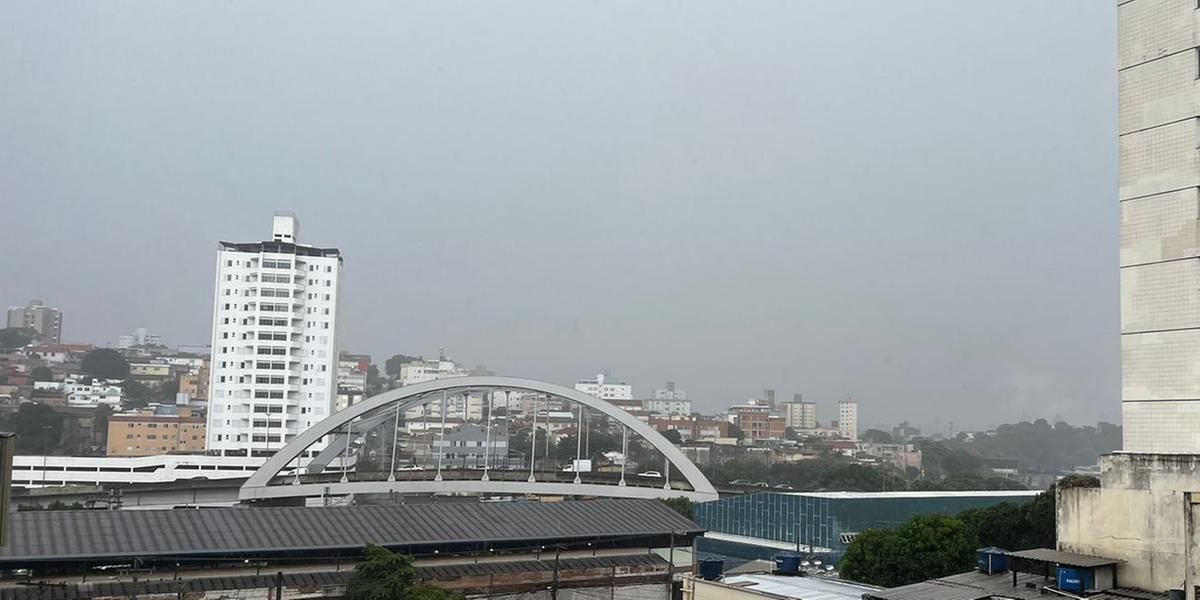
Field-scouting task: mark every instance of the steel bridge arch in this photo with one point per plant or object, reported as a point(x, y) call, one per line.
point(258, 487)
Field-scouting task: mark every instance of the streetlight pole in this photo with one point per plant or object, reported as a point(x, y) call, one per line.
point(578, 444)
point(624, 452)
point(533, 440)
point(45, 450)
point(441, 439)
point(487, 444)
point(395, 442)
point(346, 453)
point(507, 418)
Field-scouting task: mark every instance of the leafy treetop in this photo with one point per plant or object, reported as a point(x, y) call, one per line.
point(106, 363)
point(385, 575)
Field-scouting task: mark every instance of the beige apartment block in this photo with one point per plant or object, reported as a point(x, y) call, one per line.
point(169, 430)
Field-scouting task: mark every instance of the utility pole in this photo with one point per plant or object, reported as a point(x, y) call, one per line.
point(554, 585)
point(671, 565)
point(1189, 584)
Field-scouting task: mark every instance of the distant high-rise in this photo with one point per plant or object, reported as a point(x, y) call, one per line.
point(38, 317)
point(670, 392)
point(800, 414)
point(848, 419)
point(669, 400)
point(1159, 195)
point(274, 345)
point(140, 337)
point(604, 388)
point(769, 398)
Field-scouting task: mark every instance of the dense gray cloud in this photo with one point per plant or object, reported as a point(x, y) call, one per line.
point(910, 203)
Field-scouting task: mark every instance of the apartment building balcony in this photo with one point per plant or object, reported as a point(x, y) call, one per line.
point(277, 387)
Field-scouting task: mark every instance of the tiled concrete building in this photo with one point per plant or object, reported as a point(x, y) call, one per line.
point(1159, 128)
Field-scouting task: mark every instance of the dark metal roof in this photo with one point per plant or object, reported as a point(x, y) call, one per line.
point(972, 585)
point(1064, 558)
point(188, 585)
point(459, 570)
point(1128, 594)
point(279, 247)
point(75, 535)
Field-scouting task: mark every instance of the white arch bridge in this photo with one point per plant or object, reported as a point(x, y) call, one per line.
point(479, 435)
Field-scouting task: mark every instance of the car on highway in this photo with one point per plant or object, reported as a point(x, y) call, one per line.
point(650, 474)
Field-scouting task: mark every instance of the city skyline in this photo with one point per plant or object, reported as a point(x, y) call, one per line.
point(798, 234)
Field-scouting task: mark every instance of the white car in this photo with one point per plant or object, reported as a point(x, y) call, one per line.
point(653, 474)
point(411, 468)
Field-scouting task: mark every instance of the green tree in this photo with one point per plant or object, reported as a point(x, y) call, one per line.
point(926, 547)
point(168, 391)
point(877, 436)
point(1012, 526)
point(736, 432)
point(1040, 446)
point(385, 575)
point(682, 506)
point(16, 337)
point(392, 365)
point(673, 436)
point(42, 374)
point(1076, 480)
point(56, 505)
point(105, 363)
point(374, 381)
point(100, 424)
point(134, 394)
point(39, 429)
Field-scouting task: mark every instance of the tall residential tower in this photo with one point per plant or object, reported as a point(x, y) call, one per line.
point(848, 419)
point(38, 317)
point(274, 343)
point(1159, 129)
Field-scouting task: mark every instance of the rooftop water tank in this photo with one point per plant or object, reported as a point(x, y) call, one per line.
point(787, 563)
point(1075, 579)
point(710, 568)
point(992, 560)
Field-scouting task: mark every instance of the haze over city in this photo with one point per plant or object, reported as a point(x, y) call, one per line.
point(731, 196)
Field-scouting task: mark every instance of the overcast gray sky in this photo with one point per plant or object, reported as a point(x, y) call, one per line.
point(912, 203)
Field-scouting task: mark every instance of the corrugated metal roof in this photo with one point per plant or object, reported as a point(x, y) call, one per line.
point(1128, 594)
point(459, 570)
point(59, 535)
point(804, 588)
point(972, 585)
point(1064, 558)
point(102, 589)
point(920, 494)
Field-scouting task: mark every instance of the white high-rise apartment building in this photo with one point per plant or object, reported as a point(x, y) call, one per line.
point(605, 390)
point(274, 344)
point(1159, 131)
point(800, 414)
point(848, 419)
